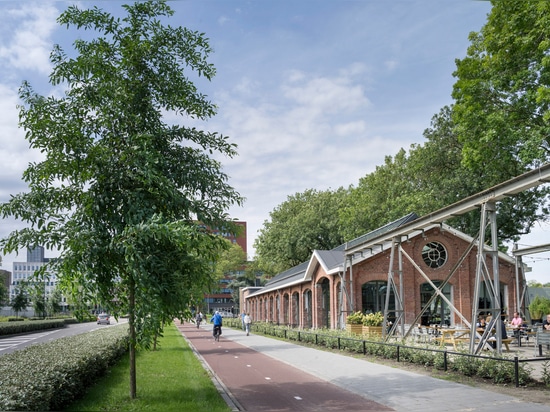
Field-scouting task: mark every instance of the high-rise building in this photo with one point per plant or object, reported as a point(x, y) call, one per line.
point(23, 272)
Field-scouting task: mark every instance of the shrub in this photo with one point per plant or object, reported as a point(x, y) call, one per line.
point(373, 319)
point(50, 375)
point(355, 318)
point(11, 328)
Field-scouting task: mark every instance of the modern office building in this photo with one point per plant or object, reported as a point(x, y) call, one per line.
point(24, 272)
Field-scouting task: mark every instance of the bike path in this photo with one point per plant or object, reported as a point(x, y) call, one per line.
point(257, 373)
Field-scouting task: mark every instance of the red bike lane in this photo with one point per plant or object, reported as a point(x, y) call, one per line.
point(256, 382)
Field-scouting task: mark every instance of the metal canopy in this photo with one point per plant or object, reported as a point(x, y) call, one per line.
point(507, 189)
point(486, 201)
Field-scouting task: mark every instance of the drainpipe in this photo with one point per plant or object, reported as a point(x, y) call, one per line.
point(352, 296)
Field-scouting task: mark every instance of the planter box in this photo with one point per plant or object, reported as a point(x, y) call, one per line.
point(372, 330)
point(357, 329)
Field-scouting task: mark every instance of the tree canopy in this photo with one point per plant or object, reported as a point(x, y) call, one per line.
point(304, 222)
point(497, 128)
point(120, 191)
point(502, 91)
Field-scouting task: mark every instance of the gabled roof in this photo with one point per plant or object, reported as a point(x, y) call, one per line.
point(332, 260)
point(381, 230)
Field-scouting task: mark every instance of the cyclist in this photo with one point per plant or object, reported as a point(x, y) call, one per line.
point(217, 321)
point(198, 319)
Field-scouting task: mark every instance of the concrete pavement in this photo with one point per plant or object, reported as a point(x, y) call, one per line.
point(378, 387)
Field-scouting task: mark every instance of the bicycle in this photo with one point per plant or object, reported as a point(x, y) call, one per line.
point(217, 332)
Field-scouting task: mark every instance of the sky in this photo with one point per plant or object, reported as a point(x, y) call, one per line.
point(315, 93)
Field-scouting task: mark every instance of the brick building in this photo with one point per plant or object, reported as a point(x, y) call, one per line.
point(430, 278)
point(221, 298)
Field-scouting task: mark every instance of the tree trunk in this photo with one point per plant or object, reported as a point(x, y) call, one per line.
point(131, 321)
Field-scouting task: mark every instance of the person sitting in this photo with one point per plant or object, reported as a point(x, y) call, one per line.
point(546, 323)
point(481, 322)
point(516, 323)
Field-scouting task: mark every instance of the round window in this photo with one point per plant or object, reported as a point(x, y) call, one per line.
point(434, 254)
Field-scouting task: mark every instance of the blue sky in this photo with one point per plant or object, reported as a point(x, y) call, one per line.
point(315, 93)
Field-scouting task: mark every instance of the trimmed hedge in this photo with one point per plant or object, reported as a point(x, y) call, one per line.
point(51, 375)
point(12, 328)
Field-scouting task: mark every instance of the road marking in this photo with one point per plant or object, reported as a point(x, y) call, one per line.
point(297, 398)
point(267, 378)
point(7, 343)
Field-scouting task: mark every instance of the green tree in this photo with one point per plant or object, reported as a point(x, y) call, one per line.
point(379, 197)
point(304, 222)
point(501, 113)
point(120, 190)
point(37, 295)
point(231, 264)
point(534, 284)
point(231, 260)
point(53, 305)
point(430, 176)
point(502, 91)
point(19, 301)
point(4, 292)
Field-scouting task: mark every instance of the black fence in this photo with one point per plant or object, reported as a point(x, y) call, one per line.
point(439, 358)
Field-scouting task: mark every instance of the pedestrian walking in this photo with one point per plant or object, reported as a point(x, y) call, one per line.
point(247, 322)
point(242, 320)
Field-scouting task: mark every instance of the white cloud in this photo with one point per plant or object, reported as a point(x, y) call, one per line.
point(26, 38)
point(315, 94)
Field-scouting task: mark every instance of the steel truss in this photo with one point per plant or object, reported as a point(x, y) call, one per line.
point(486, 201)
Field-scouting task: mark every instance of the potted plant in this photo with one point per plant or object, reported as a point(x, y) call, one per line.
point(538, 308)
point(372, 323)
point(354, 322)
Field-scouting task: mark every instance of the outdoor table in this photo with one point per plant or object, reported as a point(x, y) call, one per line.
point(452, 335)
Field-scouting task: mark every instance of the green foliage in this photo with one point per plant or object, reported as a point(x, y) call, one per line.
point(19, 301)
point(48, 376)
point(498, 370)
point(355, 318)
point(172, 378)
point(231, 260)
point(466, 365)
point(502, 108)
point(18, 326)
point(120, 189)
point(373, 319)
point(304, 222)
point(539, 307)
point(534, 284)
point(546, 373)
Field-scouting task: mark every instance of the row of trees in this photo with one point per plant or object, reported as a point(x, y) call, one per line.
point(497, 128)
point(33, 294)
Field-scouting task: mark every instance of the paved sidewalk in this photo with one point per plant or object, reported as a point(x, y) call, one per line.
point(237, 362)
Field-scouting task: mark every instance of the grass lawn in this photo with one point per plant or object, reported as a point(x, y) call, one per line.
point(168, 379)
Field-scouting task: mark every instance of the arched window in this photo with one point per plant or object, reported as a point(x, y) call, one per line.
point(324, 320)
point(295, 309)
point(308, 305)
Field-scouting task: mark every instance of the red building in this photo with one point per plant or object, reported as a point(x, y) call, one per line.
point(222, 298)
